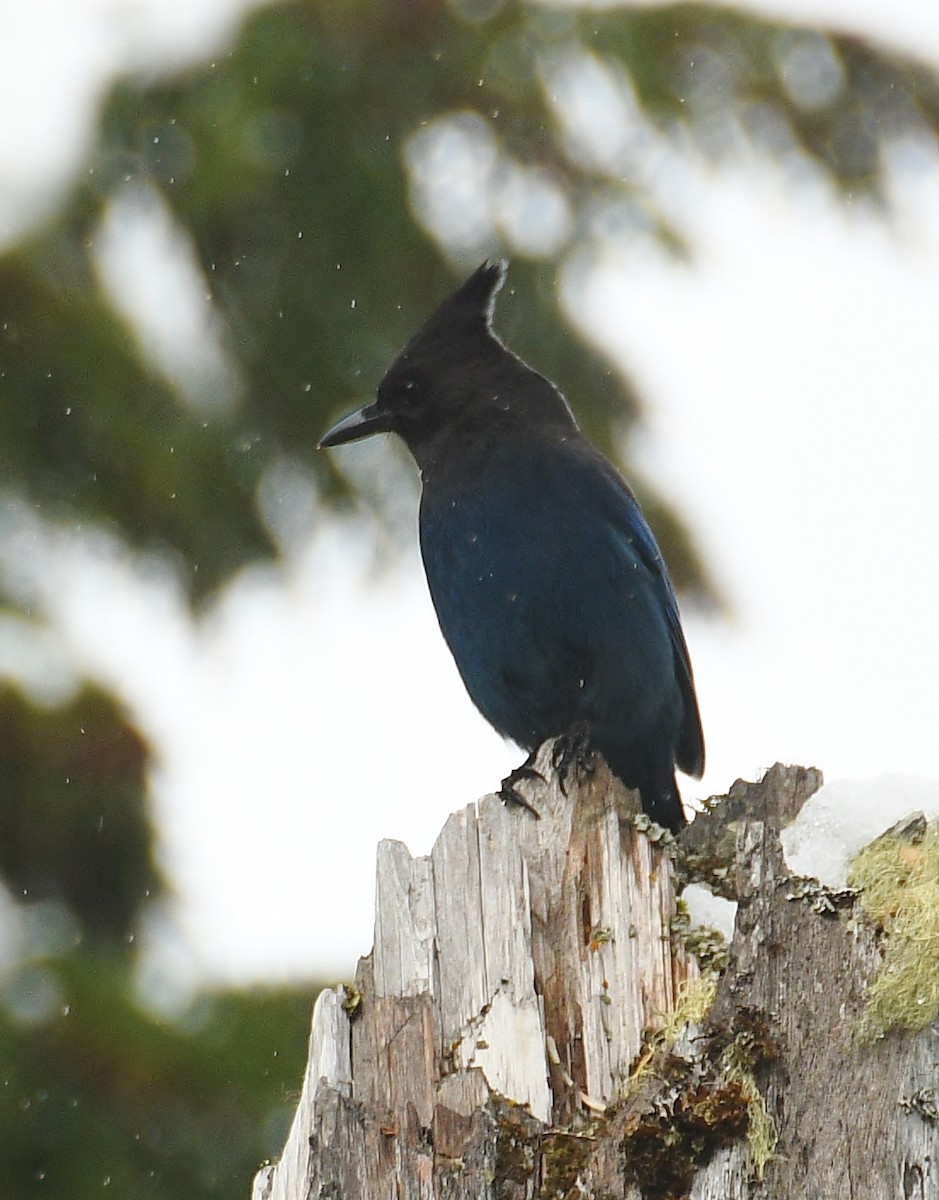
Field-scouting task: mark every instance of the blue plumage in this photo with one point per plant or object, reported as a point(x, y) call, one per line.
point(548, 584)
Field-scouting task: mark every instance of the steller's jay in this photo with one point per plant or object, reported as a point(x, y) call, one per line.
point(549, 586)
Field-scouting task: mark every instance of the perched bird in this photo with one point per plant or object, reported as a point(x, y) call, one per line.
point(550, 589)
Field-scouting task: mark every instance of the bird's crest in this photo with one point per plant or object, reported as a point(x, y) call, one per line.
point(476, 298)
point(468, 310)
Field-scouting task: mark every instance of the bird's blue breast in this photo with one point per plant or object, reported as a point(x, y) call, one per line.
point(550, 602)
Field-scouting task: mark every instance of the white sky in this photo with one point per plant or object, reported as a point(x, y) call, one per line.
point(790, 373)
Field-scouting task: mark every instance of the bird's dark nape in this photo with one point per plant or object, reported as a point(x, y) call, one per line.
point(549, 587)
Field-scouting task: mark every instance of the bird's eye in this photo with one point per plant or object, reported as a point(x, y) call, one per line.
point(411, 393)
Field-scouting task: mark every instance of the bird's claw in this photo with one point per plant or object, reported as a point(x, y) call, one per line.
point(509, 793)
point(572, 752)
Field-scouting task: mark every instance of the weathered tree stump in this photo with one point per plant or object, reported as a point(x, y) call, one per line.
point(530, 1022)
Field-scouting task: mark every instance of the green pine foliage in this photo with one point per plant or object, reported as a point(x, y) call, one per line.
point(99, 1098)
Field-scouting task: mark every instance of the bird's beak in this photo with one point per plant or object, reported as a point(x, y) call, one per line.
point(360, 424)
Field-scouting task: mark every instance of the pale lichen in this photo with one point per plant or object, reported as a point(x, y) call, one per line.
point(897, 876)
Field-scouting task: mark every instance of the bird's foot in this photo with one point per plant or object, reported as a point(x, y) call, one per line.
point(572, 753)
point(509, 793)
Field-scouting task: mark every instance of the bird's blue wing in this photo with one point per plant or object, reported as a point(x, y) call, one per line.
point(690, 749)
point(520, 575)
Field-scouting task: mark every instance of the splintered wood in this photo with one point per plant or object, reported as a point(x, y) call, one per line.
point(520, 963)
point(491, 1048)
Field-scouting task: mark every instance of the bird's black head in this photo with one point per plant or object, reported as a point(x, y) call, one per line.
point(454, 376)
